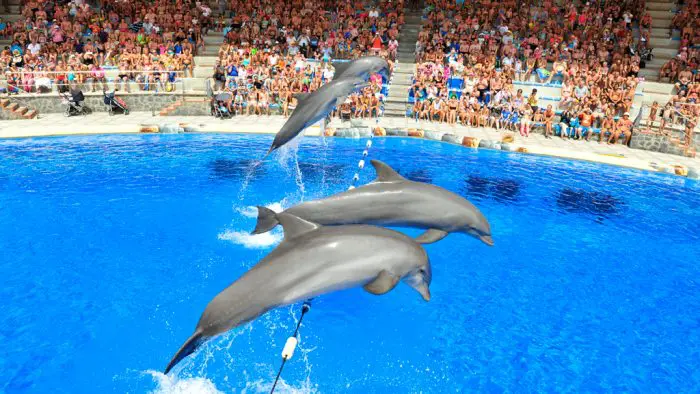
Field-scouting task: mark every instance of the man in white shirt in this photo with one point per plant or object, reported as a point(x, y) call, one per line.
point(627, 16)
point(34, 48)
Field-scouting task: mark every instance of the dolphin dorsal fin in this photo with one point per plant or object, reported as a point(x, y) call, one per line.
point(301, 97)
point(385, 173)
point(295, 226)
point(339, 68)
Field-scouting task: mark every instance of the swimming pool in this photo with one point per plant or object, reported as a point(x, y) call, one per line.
point(112, 247)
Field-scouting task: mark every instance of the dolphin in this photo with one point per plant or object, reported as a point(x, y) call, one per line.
point(314, 260)
point(361, 68)
point(392, 200)
point(315, 106)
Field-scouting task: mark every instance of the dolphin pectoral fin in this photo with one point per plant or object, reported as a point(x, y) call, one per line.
point(361, 85)
point(430, 236)
point(267, 220)
point(294, 226)
point(385, 173)
point(382, 284)
point(188, 348)
point(301, 97)
point(339, 68)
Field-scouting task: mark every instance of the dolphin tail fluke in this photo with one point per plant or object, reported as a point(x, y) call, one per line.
point(188, 348)
point(267, 220)
point(272, 149)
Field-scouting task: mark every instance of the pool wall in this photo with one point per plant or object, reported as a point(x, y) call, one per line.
point(510, 144)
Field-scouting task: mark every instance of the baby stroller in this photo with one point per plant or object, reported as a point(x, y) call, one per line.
point(218, 105)
point(73, 101)
point(114, 103)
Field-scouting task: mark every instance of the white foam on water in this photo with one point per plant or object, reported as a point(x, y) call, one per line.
point(252, 211)
point(250, 241)
point(172, 384)
point(262, 386)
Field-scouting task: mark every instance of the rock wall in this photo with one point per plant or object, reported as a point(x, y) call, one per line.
point(51, 103)
point(660, 143)
point(192, 107)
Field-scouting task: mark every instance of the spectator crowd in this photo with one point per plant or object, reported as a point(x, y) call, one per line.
point(274, 49)
point(68, 43)
point(472, 55)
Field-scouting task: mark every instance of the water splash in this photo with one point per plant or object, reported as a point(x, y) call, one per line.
point(172, 384)
point(252, 211)
point(288, 158)
point(249, 173)
point(262, 386)
point(252, 241)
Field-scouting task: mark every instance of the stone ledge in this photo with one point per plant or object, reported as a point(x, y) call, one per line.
point(508, 144)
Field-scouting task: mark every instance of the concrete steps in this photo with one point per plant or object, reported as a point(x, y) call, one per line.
point(170, 108)
point(664, 47)
point(13, 110)
point(660, 5)
point(395, 106)
point(661, 14)
point(660, 23)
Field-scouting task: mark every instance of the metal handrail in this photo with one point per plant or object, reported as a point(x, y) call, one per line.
point(103, 70)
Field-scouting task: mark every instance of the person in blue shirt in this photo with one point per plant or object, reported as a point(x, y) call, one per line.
point(16, 46)
point(231, 73)
point(505, 118)
point(514, 120)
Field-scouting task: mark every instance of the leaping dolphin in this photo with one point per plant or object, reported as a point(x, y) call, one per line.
point(361, 68)
point(313, 260)
point(392, 200)
point(315, 106)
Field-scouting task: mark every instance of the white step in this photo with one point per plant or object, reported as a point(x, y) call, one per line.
point(664, 53)
point(213, 40)
point(657, 87)
point(658, 43)
point(661, 14)
point(203, 71)
point(660, 5)
point(649, 75)
point(205, 60)
point(661, 23)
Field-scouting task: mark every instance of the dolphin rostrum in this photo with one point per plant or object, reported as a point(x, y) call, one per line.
point(315, 106)
point(361, 68)
point(313, 260)
point(392, 200)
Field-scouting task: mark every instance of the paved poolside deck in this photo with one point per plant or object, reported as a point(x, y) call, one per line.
point(102, 123)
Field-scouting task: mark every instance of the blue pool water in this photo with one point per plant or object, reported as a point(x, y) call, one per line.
point(112, 246)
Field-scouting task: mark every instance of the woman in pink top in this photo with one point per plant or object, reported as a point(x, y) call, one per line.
point(56, 35)
point(376, 44)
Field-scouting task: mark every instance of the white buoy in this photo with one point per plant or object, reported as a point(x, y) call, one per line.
point(351, 187)
point(356, 177)
point(369, 144)
point(365, 153)
point(361, 164)
point(289, 347)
